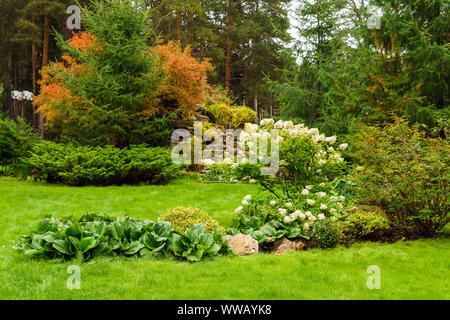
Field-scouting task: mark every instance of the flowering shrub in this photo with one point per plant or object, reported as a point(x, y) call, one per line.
point(306, 156)
point(294, 217)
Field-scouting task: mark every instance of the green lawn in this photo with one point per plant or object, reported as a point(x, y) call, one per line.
point(409, 270)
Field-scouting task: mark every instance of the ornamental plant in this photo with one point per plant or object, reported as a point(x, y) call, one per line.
point(185, 218)
point(95, 235)
point(405, 173)
point(267, 219)
point(82, 165)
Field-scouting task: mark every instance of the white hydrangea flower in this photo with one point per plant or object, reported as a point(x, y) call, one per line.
point(238, 210)
point(308, 187)
point(331, 140)
point(289, 204)
point(323, 206)
point(252, 181)
point(322, 162)
point(339, 206)
point(343, 146)
point(278, 125)
point(288, 125)
point(321, 216)
point(311, 202)
point(248, 197)
point(333, 210)
point(296, 214)
point(313, 131)
point(305, 192)
point(321, 194)
point(244, 202)
point(282, 211)
point(319, 138)
point(287, 219)
point(273, 202)
point(308, 213)
point(311, 218)
point(306, 227)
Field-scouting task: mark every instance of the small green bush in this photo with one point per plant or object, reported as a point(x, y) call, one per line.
point(82, 165)
point(367, 222)
point(16, 140)
point(231, 116)
point(242, 115)
point(185, 218)
point(325, 234)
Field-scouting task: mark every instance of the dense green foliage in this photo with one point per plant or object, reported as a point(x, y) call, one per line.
point(117, 73)
point(267, 219)
point(407, 174)
point(95, 235)
point(185, 218)
point(351, 71)
point(367, 222)
point(16, 140)
point(82, 165)
point(325, 234)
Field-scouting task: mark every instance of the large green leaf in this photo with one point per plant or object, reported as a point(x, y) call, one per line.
point(63, 247)
point(117, 230)
point(87, 243)
point(134, 248)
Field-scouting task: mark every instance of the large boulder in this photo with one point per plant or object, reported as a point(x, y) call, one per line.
point(244, 244)
point(285, 245)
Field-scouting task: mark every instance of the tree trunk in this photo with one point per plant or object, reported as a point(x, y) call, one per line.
point(179, 25)
point(229, 43)
point(33, 70)
point(44, 62)
point(255, 104)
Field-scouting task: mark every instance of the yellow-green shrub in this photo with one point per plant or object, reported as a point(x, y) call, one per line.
point(367, 222)
point(236, 117)
point(241, 116)
point(222, 114)
point(185, 218)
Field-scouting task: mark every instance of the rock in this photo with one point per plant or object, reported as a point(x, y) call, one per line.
point(285, 245)
point(244, 244)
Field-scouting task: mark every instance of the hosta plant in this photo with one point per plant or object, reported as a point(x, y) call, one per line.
point(95, 235)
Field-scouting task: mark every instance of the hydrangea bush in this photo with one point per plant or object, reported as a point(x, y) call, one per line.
point(306, 156)
point(270, 218)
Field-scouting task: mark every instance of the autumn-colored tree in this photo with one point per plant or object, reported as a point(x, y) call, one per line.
point(111, 86)
point(185, 80)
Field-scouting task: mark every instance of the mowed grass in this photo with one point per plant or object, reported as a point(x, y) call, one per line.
point(409, 270)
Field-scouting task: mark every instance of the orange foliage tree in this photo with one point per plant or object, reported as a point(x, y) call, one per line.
point(185, 80)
